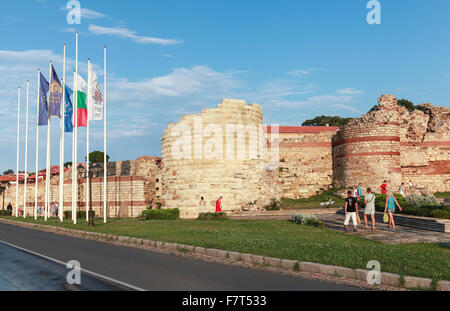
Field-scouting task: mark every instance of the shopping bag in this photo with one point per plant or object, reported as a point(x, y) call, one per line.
point(385, 218)
point(358, 219)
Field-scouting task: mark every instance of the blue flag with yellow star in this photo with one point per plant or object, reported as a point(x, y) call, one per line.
point(43, 105)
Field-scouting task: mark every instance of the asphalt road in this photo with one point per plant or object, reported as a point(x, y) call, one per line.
point(141, 269)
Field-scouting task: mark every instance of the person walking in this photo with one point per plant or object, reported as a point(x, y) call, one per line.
point(9, 207)
point(351, 208)
point(355, 192)
point(369, 201)
point(360, 192)
point(401, 189)
point(219, 205)
point(384, 187)
point(410, 184)
point(391, 202)
point(202, 205)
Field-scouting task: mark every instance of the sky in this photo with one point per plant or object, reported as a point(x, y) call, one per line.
point(296, 58)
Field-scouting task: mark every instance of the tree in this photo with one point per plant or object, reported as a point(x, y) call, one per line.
point(327, 120)
point(97, 157)
point(67, 164)
point(8, 172)
point(407, 104)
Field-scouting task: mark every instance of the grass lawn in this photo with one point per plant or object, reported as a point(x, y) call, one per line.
point(313, 202)
point(283, 239)
point(443, 195)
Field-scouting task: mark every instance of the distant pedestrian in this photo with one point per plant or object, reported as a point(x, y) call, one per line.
point(401, 189)
point(384, 187)
point(355, 192)
point(39, 210)
point(9, 207)
point(219, 205)
point(410, 184)
point(351, 208)
point(202, 202)
point(391, 202)
point(369, 201)
point(53, 209)
point(360, 192)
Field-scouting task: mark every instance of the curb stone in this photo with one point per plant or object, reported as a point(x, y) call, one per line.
point(247, 258)
point(288, 264)
point(389, 279)
point(443, 286)
point(256, 259)
point(309, 267)
point(200, 250)
point(234, 255)
point(345, 272)
point(416, 282)
point(274, 262)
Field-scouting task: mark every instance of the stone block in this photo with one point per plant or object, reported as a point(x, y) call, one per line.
point(247, 258)
point(159, 244)
point(327, 269)
point(171, 246)
point(443, 286)
point(273, 262)
point(200, 250)
point(256, 259)
point(288, 264)
point(309, 267)
point(234, 255)
point(417, 283)
point(390, 279)
point(345, 272)
point(123, 239)
point(361, 274)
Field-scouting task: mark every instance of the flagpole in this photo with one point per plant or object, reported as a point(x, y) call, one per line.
point(87, 140)
point(61, 144)
point(18, 153)
point(25, 192)
point(105, 164)
point(47, 171)
point(37, 147)
point(75, 173)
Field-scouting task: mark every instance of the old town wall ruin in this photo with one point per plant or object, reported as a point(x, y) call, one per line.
point(227, 152)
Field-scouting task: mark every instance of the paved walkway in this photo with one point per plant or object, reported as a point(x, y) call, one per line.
point(384, 234)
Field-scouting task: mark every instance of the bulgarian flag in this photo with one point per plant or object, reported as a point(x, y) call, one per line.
point(81, 93)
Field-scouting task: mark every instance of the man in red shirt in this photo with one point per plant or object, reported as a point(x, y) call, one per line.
point(219, 205)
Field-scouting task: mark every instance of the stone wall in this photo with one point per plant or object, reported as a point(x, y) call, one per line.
point(425, 147)
point(204, 156)
point(305, 156)
point(393, 144)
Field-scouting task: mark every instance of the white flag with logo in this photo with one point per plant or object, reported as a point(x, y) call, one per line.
point(95, 102)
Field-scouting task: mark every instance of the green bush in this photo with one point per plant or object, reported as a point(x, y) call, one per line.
point(80, 214)
point(439, 213)
point(305, 219)
point(212, 216)
point(168, 214)
point(421, 201)
point(274, 206)
point(5, 213)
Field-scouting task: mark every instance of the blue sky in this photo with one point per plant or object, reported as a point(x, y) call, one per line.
point(296, 58)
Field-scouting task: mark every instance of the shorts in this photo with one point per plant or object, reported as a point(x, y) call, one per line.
point(369, 210)
point(391, 210)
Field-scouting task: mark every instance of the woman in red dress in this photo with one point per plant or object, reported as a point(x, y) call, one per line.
point(384, 187)
point(219, 205)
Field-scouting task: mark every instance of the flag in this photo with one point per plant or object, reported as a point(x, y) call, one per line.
point(95, 101)
point(56, 94)
point(82, 101)
point(68, 126)
point(43, 105)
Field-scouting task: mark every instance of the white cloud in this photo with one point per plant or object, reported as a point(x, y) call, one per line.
point(302, 72)
point(349, 91)
point(127, 33)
